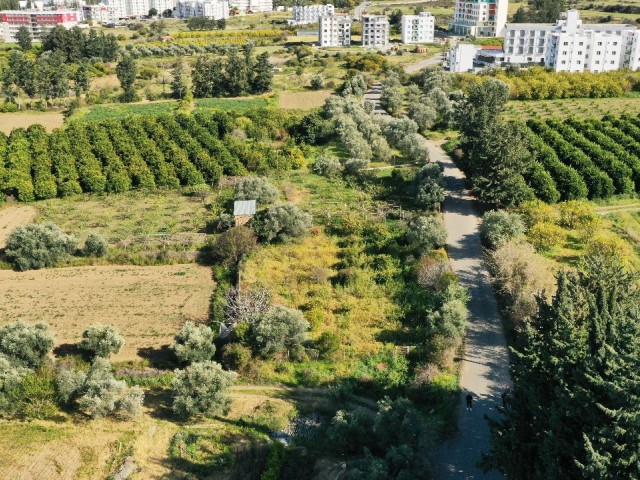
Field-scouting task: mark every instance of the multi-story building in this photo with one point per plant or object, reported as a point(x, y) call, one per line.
point(334, 30)
point(253, 6)
point(216, 9)
point(480, 18)
point(304, 15)
point(38, 22)
point(418, 28)
point(375, 31)
point(162, 5)
point(138, 8)
point(569, 45)
point(99, 13)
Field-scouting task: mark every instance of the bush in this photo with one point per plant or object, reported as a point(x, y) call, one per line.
point(33, 396)
point(101, 340)
point(280, 330)
point(317, 82)
point(194, 343)
point(281, 223)
point(256, 188)
point(38, 246)
point(234, 245)
point(328, 344)
point(223, 222)
point(26, 345)
point(427, 233)
point(577, 214)
point(546, 236)
point(327, 166)
point(201, 389)
point(499, 226)
point(356, 165)
point(95, 246)
point(236, 357)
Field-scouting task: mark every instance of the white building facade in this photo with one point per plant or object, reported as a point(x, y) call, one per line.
point(99, 13)
point(38, 22)
point(215, 9)
point(480, 18)
point(162, 5)
point(418, 28)
point(307, 14)
point(334, 30)
point(571, 46)
point(462, 57)
point(253, 6)
point(375, 31)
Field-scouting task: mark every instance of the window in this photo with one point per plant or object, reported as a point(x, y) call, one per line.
point(597, 62)
point(566, 44)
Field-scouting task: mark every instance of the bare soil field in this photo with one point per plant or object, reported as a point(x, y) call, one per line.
point(146, 304)
point(12, 217)
point(9, 121)
point(303, 100)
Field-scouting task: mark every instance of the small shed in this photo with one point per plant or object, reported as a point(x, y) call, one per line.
point(243, 210)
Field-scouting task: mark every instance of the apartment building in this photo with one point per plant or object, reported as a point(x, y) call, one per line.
point(375, 31)
point(572, 46)
point(480, 18)
point(215, 9)
point(304, 15)
point(418, 28)
point(162, 5)
point(99, 13)
point(37, 21)
point(334, 30)
point(253, 6)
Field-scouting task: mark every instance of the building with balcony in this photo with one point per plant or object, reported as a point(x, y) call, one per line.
point(334, 30)
point(418, 28)
point(375, 31)
point(307, 14)
point(215, 9)
point(37, 22)
point(480, 18)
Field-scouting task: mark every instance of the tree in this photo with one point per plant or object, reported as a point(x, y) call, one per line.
point(281, 330)
point(178, 84)
point(38, 246)
point(194, 343)
point(429, 187)
point(427, 233)
point(262, 74)
point(53, 75)
point(126, 71)
point(234, 245)
point(95, 246)
point(391, 100)
point(153, 12)
point(281, 223)
point(101, 340)
point(499, 226)
point(326, 165)
point(26, 345)
point(255, 188)
point(546, 11)
point(81, 78)
point(201, 389)
point(23, 37)
point(317, 82)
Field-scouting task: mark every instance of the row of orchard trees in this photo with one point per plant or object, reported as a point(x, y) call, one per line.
point(143, 152)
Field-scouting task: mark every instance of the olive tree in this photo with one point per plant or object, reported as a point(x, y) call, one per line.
point(26, 345)
point(194, 343)
point(280, 330)
point(234, 245)
point(101, 340)
point(95, 246)
point(281, 223)
point(429, 187)
point(255, 188)
point(326, 165)
point(201, 389)
point(427, 233)
point(499, 226)
point(38, 246)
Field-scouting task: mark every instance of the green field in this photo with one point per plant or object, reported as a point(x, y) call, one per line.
point(580, 108)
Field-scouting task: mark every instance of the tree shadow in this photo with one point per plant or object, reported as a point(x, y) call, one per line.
point(158, 401)
point(69, 350)
point(161, 357)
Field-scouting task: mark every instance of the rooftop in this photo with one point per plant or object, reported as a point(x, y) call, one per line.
point(244, 207)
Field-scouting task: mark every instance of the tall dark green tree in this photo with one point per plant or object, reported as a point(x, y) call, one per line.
point(53, 75)
point(178, 80)
point(546, 10)
point(23, 37)
point(262, 74)
point(236, 78)
point(81, 78)
point(576, 400)
point(126, 71)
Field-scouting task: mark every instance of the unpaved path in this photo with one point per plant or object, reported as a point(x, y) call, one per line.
point(485, 363)
point(13, 216)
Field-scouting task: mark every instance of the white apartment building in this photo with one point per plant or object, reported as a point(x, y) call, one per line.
point(37, 21)
point(375, 31)
point(480, 18)
point(99, 13)
point(253, 6)
point(418, 28)
point(215, 9)
point(138, 8)
point(307, 14)
point(461, 57)
point(571, 46)
point(162, 5)
point(334, 30)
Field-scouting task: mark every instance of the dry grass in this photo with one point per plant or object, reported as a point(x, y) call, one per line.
point(12, 217)
point(146, 304)
point(9, 121)
point(304, 100)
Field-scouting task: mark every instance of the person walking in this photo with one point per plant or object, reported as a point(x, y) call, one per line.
point(469, 402)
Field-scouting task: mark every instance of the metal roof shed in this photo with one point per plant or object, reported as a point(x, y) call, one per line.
point(244, 207)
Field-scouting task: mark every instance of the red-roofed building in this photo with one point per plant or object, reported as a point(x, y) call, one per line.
point(37, 21)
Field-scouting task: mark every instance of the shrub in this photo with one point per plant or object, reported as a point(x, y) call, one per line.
point(34, 395)
point(234, 245)
point(201, 389)
point(610, 246)
point(499, 226)
point(281, 223)
point(101, 340)
point(38, 246)
point(356, 165)
point(328, 344)
point(194, 343)
point(327, 166)
point(26, 345)
point(280, 330)
point(95, 246)
point(431, 273)
point(546, 236)
point(427, 233)
point(256, 188)
point(317, 82)
point(236, 357)
point(577, 214)
point(223, 222)
point(536, 211)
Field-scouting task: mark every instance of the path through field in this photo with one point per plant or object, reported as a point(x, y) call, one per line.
point(485, 363)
